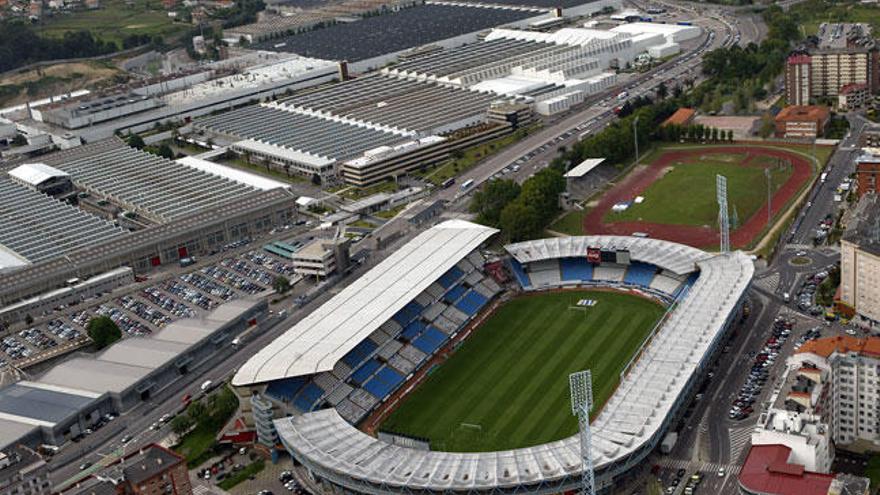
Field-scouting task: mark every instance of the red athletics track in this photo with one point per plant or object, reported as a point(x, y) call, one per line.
point(636, 183)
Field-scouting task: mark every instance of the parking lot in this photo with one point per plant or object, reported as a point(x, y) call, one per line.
point(149, 307)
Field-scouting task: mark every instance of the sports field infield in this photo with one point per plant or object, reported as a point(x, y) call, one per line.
point(507, 386)
point(685, 194)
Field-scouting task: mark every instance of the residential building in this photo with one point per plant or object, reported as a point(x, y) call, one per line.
point(802, 122)
point(770, 470)
point(860, 262)
point(843, 54)
point(853, 96)
point(867, 170)
point(155, 470)
point(23, 472)
point(852, 390)
point(797, 79)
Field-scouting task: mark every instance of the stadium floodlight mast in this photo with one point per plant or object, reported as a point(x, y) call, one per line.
point(581, 386)
point(723, 220)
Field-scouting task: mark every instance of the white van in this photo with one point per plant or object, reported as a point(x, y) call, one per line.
point(206, 385)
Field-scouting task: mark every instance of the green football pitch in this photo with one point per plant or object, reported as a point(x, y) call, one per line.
point(686, 194)
point(507, 386)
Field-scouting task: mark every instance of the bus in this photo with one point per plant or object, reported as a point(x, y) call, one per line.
point(468, 183)
point(448, 182)
point(584, 135)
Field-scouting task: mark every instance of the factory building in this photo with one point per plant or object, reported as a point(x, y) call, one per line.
point(73, 395)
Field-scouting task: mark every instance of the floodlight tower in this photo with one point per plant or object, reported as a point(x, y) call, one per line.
point(581, 387)
point(723, 220)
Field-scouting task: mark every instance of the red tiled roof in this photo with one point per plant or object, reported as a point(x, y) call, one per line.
point(848, 88)
point(799, 113)
point(869, 346)
point(767, 471)
point(799, 59)
point(681, 116)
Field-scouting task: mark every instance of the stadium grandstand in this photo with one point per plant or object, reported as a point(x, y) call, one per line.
point(327, 373)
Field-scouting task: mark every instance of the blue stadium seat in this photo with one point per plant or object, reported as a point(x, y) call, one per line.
point(520, 274)
point(361, 374)
point(454, 294)
point(286, 389)
point(471, 302)
point(409, 313)
point(359, 354)
point(450, 277)
point(413, 330)
point(307, 397)
point(576, 269)
point(640, 273)
point(430, 340)
point(385, 382)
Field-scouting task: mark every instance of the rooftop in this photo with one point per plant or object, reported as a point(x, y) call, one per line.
point(842, 344)
point(320, 339)
point(149, 462)
point(35, 174)
point(680, 117)
point(802, 112)
point(863, 228)
point(767, 471)
point(584, 167)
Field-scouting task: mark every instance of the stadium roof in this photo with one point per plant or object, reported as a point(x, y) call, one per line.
point(630, 423)
point(584, 167)
point(36, 173)
point(319, 340)
point(671, 256)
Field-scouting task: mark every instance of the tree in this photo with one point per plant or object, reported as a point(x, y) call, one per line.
point(730, 135)
point(281, 284)
point(181, 424)
point(316, 179)
point(165, 151)
point(19, 140)
point(714, 134)
point(197, 411)
point(662, 90)
point(520, 222)
point(103, 331)
point(488, 202)
point(28, 319)
point(135, 141)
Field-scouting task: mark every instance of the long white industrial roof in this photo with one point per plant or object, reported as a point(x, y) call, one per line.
point(319, 340)
point(634, 415)
point(35, 174)
point(227, 172)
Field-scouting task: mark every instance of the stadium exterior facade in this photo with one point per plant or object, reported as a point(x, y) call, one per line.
point(706, 292)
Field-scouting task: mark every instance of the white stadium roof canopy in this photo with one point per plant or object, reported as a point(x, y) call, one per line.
point(322, 338)
point(584, 167)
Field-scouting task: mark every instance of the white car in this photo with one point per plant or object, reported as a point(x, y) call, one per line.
point(721, 472)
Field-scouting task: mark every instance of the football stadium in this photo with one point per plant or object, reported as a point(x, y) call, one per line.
point(442, 371)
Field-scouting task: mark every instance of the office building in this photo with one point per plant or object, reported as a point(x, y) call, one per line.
point(802, 122)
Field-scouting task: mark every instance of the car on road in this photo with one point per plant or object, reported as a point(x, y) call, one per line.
point(127, 438)
point(721, 472)
point(85, 465)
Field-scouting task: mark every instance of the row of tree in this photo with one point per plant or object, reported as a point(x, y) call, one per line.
point(209, 414)
point(21, 45)
point(693, 132)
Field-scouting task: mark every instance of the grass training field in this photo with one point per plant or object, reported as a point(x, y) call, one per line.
point(685, 195)
point(507, 386)
point(115, 20)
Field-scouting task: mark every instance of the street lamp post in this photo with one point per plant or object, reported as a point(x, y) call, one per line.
point(636, 136)
point(769, 196)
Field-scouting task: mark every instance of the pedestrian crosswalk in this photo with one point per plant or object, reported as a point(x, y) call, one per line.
point(739, 440)
point(769, 283)
point(703, 467)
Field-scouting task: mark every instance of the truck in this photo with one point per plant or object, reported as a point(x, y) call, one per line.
point(668, 442)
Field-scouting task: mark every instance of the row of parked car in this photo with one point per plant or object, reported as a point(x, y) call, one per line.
point(760, 372)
